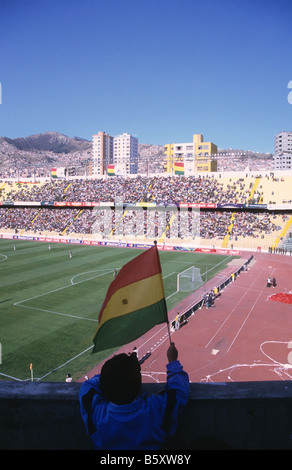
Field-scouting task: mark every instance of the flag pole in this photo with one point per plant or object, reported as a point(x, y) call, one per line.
point(167, 321)
point(170, 342)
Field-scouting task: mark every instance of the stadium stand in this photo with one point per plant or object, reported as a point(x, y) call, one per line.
point(232, 211)
point(275, 190)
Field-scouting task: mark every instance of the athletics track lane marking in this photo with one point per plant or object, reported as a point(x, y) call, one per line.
point(234, 308)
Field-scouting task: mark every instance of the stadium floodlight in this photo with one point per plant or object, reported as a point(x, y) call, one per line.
point(189, 280)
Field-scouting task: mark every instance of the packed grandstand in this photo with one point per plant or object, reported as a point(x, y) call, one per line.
point(238, 211)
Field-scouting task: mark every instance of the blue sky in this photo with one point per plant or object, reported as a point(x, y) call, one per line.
point(161, 70)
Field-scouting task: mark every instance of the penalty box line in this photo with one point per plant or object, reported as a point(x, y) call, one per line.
point(21, 302)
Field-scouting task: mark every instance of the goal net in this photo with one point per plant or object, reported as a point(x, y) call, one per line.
point(189, 280)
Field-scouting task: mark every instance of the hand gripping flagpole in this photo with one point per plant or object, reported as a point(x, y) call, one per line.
point(167, 321)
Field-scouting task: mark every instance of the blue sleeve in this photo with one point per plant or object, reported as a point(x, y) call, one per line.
point(89, 395)
point(177, 391)
point(177, 378)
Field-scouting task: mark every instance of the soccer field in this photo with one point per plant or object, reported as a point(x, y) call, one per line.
point(50, 302)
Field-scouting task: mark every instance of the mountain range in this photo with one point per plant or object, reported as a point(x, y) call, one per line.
point(56, 149)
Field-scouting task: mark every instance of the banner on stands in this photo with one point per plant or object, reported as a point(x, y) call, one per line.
point(142, 246)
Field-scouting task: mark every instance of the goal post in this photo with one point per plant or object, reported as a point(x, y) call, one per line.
point(189, 280)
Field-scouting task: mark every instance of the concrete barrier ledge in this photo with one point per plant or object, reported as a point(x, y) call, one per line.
point(242, 415)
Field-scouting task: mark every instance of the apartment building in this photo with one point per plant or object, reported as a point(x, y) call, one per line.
point(283, 161)
point(283, 151)
point(195, 156)
point(102, 153)
point(114, 155)
point(126, 153)
point(283, 143)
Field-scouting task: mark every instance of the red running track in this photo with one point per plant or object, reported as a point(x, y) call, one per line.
point(245, 336)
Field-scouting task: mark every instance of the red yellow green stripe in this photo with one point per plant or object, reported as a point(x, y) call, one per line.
point(179, 168)
point(54, 172)
point(111, 170)
point(134, 303)
point(131, 297)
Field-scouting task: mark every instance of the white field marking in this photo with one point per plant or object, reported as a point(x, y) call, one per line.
point(4, 256)
point(21, 302)
point(65, 363)
point(88, 272)
point(58, 313)
point(48, 373)
point(10, 377)
point(170, 274)
point(155, 376)
point(280, 369)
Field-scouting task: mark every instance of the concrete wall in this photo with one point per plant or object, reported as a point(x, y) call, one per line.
point(247, 415)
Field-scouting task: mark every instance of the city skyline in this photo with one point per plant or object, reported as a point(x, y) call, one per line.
point(159, 70)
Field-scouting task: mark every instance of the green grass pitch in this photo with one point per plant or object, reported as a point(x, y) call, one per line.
point(49, 303)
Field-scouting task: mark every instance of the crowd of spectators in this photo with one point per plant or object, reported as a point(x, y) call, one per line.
point(245, 224)
point(214, 224)
point(193, 189)
point(161, 190)
point(36, 219)
point(253, 225)
point(82, 190)
point(16, 218)
point(164, 191)
point(205, 224)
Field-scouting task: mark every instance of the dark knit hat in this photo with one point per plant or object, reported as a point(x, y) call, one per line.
point(120, 378)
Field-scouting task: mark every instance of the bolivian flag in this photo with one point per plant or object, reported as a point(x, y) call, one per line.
point(179, 168)
point(111, 170)
point(54, 172)
point(134, 303)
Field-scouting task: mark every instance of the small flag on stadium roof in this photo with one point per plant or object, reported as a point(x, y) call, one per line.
point(134, 303)
point(179, 168)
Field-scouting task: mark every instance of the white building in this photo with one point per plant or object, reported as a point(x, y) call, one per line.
point(184, 150)
point(120, 151)
point(283, 142)
point(283, 161)
point(283, 151)
point(126, 152)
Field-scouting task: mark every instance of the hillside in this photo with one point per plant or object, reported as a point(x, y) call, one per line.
point(50, 141)
point(40, 152)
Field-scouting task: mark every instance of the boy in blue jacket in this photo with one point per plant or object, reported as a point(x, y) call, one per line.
point(117, 417)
